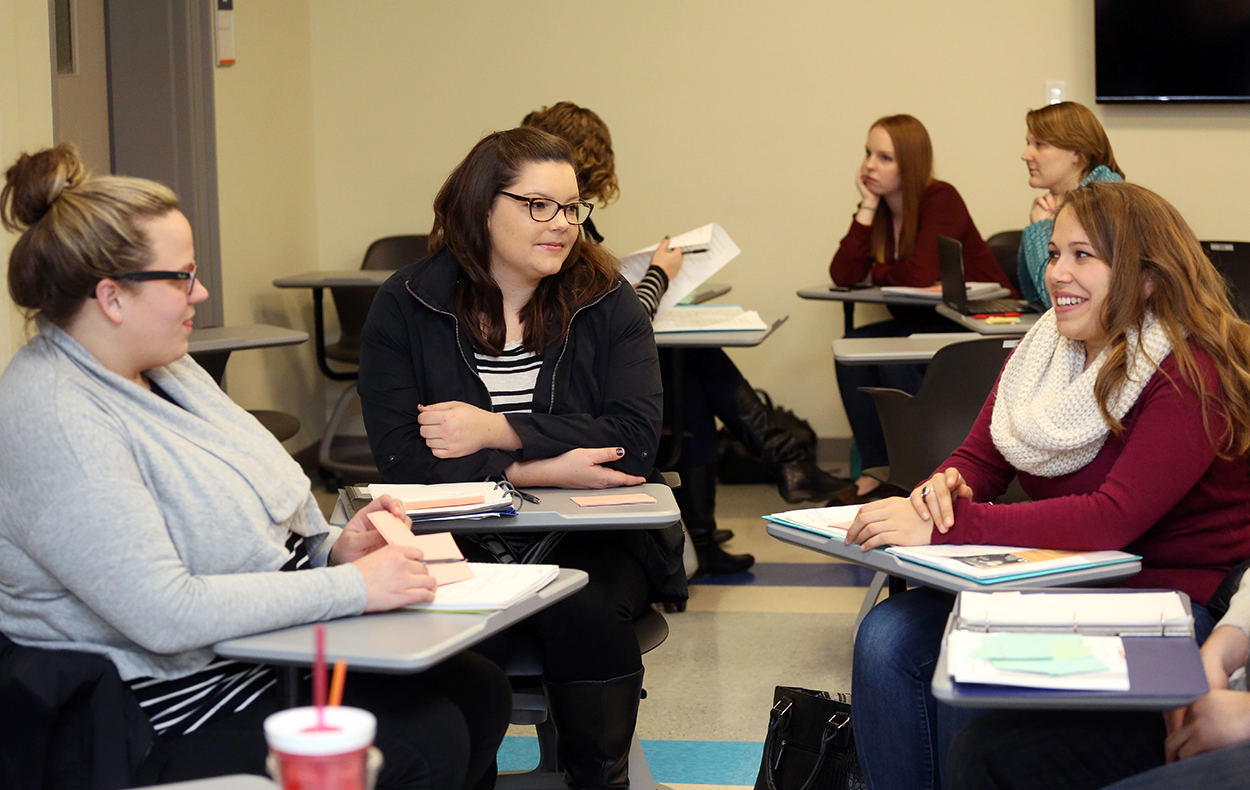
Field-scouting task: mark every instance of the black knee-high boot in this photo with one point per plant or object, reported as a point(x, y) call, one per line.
point(595, 725)
point(696, 497)
point(798, 477)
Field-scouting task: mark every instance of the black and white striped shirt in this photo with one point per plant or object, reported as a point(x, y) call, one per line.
point(510, 377)
point(182, 706)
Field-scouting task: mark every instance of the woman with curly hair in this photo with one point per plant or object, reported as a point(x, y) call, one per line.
point(712, 385)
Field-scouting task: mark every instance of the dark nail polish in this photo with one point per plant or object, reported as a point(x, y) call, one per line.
point(620, 451)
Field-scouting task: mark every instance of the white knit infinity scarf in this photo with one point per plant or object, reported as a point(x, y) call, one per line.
point(1046, 420)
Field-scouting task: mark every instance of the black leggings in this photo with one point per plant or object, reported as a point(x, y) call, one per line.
point(439, 729)
point(590, 634)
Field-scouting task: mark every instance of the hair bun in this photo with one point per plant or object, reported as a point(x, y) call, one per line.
point(35, 182)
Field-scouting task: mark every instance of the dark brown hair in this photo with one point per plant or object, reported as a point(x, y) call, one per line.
point(592, 147)
point(914, 154)
point(1072, 127)
point(76, 229)
point(461, 209)
point(1145, 240)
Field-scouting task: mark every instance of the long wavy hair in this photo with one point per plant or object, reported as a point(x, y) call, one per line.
point(461, 209)
point(592, 147)
point(914, 154)
point(1072, 127)
point(1158, 267)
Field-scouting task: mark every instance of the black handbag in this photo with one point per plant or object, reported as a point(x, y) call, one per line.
point(810, 745)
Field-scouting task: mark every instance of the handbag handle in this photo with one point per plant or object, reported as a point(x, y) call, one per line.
point(775, 720)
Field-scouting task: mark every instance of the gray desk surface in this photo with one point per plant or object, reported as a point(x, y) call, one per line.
point(556, 512)
point(877, 296)
point(707, 292)
point(718, 339)
point(241, 336)
point(332, 279)
point(898, 350)
point(888, 563)
point(981, 326)
point(1164, 672)
point(396, 642)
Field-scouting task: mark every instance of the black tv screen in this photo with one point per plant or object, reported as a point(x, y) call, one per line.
point(1172, 50)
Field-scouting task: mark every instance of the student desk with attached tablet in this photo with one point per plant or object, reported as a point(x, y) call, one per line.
point(398, 641)
point(1165, 672)
point(554, 512)
point(872, 295)
point(899, 570)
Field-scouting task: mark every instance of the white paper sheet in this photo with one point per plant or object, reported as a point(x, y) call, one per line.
point(695, 268)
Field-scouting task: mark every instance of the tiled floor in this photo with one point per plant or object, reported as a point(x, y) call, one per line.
point(710, 685)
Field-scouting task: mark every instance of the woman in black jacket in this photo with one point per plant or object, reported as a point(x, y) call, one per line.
point(516, 351)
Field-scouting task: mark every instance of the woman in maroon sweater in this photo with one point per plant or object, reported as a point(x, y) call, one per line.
point(893, 241)
point(1125, 413)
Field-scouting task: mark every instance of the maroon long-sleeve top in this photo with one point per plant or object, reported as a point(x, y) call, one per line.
point(942, 211)
point(1158, 490)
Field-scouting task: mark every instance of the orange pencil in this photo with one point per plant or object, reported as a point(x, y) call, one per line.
point(337, 681)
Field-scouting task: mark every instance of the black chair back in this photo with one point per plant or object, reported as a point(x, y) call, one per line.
point(1006, 247)
point(922, 430)
point(352, 304)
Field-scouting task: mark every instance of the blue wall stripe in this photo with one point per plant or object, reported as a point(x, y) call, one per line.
point(675, 762)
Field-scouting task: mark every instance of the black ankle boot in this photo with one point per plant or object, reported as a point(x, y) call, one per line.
point(595, 725)
point(697, 500)
point(798, 477)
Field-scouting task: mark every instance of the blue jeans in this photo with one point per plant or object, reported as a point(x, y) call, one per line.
point(1222, 769)
point(902, 733)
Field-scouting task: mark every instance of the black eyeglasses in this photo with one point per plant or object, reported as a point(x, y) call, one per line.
point(545, 210)
point(144, 276)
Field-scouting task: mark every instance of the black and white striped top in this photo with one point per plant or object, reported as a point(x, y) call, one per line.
point(651, 288)
point(182, 706)
point(510, 378)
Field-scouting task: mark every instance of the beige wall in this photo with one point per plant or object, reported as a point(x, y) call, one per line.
point(341, 120)
point(25, 120)
point(749, 114)
point(267, 194)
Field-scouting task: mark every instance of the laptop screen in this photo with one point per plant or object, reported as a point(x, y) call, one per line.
point(951, 265)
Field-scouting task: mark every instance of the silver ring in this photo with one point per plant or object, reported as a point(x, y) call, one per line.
point(924, 492)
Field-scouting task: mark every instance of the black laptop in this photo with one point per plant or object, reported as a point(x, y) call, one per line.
point(955, 286)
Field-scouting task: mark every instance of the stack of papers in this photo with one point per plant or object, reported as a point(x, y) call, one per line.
point(493, 586)
point(1047, 661)
point(449, 500)
point(976, 290)
point(989, 564)
point(1119, 613)
point(708, 318)
point(832, 522)
point(710, 249)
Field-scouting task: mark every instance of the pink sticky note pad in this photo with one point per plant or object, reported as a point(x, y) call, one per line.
point(613, 499)
point(435, 546)
point(433, 504)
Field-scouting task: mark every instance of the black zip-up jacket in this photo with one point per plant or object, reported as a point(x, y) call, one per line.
point(599, 388)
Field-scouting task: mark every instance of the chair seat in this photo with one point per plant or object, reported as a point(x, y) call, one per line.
point(347, 352)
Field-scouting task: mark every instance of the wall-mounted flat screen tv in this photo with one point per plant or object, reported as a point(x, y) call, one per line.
point(1172, 50)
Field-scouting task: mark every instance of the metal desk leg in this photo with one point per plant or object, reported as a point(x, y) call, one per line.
point(848, 318)
point(289, 678)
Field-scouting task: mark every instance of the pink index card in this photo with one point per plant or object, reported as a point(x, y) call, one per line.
point(455, 501)
point(613, 499)
point(438, 547)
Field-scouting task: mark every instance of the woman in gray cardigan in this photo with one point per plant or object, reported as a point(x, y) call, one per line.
point(174, 513)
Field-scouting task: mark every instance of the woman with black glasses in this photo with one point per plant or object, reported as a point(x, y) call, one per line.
point(146, 516)
point(516, 351)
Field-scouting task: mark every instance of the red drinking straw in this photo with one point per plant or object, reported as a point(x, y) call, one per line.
point(319, 675)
